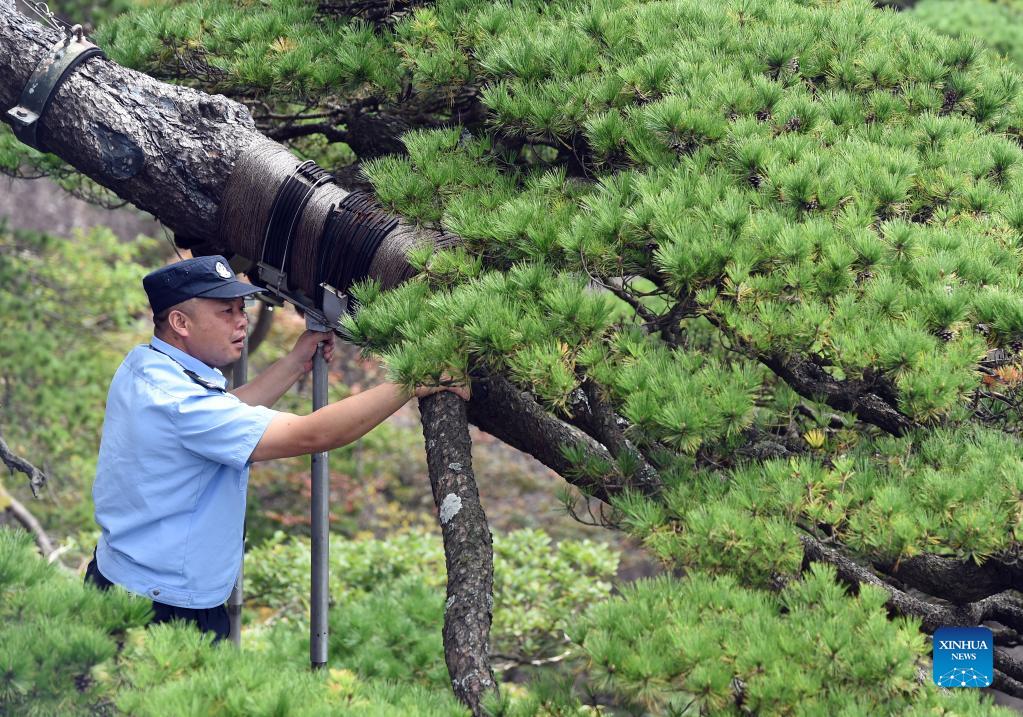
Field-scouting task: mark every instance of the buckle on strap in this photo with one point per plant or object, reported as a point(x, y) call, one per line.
point(58, 64)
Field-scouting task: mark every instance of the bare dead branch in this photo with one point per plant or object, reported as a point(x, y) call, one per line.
point(24, 516)
point(36, 478)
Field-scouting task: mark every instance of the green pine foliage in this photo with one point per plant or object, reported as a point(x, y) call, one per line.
point(48, 652)
point(758, 186)
point(14, 154)
point(888, 499)
point(663, 645)
point(19, 160)
point(172, 670)
point(851, 197)
point(268, 47)
point(685, 647)
point(71, 650)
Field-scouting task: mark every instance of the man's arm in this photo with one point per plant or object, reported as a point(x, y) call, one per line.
point(270, 385)
point(337, 424)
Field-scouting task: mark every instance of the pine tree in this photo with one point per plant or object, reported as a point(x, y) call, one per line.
point(747, 272)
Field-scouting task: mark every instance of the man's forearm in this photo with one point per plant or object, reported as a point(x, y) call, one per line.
point(336, 424)
point(346, 421)
point(270, 385)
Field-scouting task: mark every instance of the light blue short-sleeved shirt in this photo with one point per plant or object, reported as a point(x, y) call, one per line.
point(171, 479)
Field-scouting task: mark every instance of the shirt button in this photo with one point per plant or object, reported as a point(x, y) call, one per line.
point(156, 592)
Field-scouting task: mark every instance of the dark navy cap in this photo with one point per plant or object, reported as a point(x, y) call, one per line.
point(209, 277)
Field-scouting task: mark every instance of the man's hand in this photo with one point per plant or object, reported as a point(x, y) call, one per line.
point(270, 385)
point(305, 348)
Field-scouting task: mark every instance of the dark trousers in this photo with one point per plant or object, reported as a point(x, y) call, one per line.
point(213, 619)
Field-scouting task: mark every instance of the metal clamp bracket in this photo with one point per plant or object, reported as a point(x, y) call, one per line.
point(327, 315)
point(50, 73)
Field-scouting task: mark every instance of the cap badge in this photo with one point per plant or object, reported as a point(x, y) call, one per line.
point(224, 272)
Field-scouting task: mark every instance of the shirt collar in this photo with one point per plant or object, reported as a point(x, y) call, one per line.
point(190, 362)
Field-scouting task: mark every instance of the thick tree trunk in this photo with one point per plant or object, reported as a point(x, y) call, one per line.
point(166, 149)
point(467, 546)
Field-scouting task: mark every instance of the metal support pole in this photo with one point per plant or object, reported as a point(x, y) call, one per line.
point(320, 529)
point(239, 377)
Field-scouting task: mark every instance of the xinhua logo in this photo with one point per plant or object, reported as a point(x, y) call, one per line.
point(963, 657)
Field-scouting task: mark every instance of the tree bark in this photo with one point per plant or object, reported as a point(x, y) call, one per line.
point(166, 149)
point(866, 402)
point(374, 11)
point(956, 580)
point(541, 435)
point(468, 548)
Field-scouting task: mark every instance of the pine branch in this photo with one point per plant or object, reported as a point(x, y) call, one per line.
point(468, 549)
point(1002, 681)
point(953, 579)
point(863, 400)
point(541, 435)
point(37, 479)
point(763, 446)
point(375, 126)
point(293, 131)
point(597, 417)
point(871, 402)
point(171, 157)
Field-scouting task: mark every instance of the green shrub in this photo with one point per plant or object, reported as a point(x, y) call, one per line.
point(537, 586)
point(56, 633)
point(998, 25)
point(70, 650)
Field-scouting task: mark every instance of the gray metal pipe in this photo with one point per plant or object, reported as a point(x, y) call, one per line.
point(239, 377)
point(320, 529)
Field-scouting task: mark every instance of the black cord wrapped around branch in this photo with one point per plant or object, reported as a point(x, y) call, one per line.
point(256, 199)
point(354, 232)
point(289, 203)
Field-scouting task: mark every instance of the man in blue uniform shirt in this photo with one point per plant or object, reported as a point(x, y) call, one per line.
point(176, 448)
